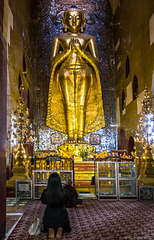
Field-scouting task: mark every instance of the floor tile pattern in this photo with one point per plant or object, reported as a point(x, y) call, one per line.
point(17, 202)
point(14, 210)
point(98, 220)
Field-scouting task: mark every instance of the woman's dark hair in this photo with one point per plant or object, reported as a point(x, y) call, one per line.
point(55, 191)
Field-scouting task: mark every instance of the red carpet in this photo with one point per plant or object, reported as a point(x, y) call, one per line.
point(98, 220)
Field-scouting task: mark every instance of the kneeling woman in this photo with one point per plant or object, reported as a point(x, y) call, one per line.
point(55, 217)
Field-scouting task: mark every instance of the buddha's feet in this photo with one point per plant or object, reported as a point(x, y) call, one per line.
point(81, 140)
point(71, 140)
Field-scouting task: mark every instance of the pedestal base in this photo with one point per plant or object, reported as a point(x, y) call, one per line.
point(146, 193)
point(83, 173)
point(83, 167)
point(80, 150)
point(19, 173)
point(146, 176)
point(10, 192)
point(145, 181)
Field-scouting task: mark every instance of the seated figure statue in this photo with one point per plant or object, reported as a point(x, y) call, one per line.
point(75, 104)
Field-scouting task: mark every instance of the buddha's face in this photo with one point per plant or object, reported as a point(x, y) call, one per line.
point(74, 20)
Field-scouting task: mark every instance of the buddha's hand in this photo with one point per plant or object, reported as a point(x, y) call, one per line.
point(74, 45)
point(77, 43)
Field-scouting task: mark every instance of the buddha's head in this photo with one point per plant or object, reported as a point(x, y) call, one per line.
point(74, 19)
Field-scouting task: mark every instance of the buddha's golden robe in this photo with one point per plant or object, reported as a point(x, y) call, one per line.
point(56, 113)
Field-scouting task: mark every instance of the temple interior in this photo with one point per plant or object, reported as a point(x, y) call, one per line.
point(76, 98)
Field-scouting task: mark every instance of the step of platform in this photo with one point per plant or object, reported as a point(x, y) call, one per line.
point(87, 196)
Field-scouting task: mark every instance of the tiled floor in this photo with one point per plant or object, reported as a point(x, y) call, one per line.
point(14, 211)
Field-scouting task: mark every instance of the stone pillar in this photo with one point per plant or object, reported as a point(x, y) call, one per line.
point(3, 85)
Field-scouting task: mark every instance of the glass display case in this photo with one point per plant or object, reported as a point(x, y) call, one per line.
point(40, 179)
point(115, 180)
point(127, 180)
point(105, 180)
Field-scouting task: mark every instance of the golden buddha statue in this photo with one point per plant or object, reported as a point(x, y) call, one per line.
point(75, 104)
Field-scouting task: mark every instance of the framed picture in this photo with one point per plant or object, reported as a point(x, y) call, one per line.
point(56, 138)
point(94, 139)
point(24, 189)
point(146, 193)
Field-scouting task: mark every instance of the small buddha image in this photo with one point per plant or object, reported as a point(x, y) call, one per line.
point(75, 104)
